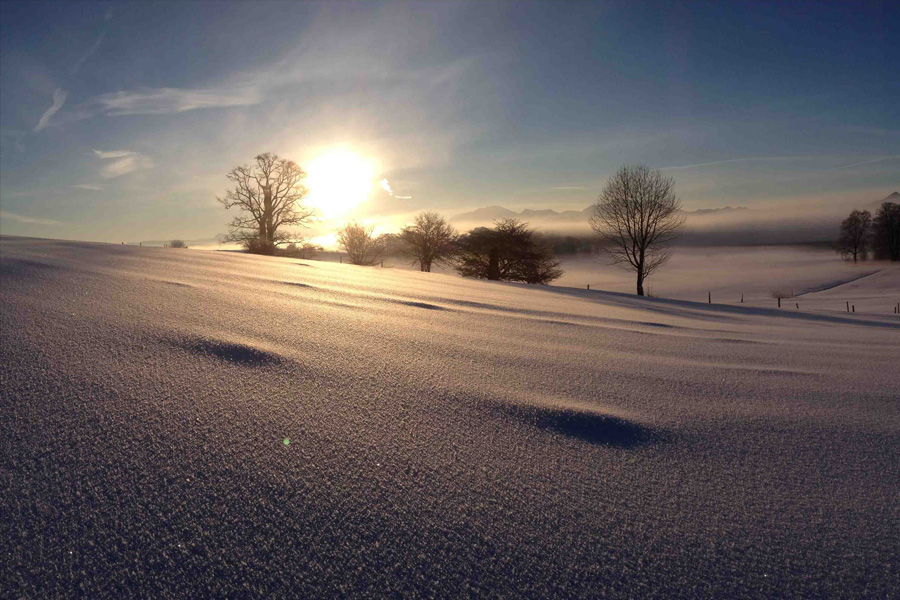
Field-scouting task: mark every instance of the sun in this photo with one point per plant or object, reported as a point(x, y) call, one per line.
point(339, 180)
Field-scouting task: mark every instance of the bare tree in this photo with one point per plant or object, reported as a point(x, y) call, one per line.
point(637, 216)
point(177, 244)
point(781, 294)
point(360, 243)
point(269, 195)
point(855, 233)
point(429, 239)
point(886, 228)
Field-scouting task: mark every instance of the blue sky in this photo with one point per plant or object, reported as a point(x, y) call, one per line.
point(120, 120)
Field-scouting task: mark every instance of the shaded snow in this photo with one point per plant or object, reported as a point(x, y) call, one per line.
point(447, 436)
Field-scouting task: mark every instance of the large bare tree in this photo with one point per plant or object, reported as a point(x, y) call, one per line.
point(269, 195)
point(360, 243)
point(429, 239)
point(886, 229)
point(854, 237)
point(637, 216)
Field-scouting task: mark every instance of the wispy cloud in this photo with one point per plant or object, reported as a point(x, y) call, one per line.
point(96, 45)
point(87, 186)
point(59, 98)
point(122, 162)
point(865, 162)
point(114, 153)
point(25, 219)
point(90, 51)
point(159, 101)
point(386, 186)
point(736, 160)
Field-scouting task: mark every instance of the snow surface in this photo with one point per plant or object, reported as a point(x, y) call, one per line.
point(446, 436)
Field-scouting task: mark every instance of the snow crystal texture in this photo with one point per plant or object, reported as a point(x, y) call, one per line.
point(448, 437)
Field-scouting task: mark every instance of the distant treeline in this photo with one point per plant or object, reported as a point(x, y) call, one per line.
point(861, 234)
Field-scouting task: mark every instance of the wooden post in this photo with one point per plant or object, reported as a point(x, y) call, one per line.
point(709, 297)
point(779, 303)
point(742, 298)
point(798, 306)
point(854, 308)
point(848, 306)
point(589, 286)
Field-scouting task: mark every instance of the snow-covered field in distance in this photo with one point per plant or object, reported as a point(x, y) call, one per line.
point(181, 423)
point(728, 272)
point(754, 271)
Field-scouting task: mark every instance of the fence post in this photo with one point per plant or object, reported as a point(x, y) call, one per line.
point(709, 297)
point(854, 308)
point(742, 298)
point(848, 306)
point(779, 303)
point(589, 286)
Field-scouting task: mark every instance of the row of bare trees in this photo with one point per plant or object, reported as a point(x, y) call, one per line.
point(860, 233)
point(509, 251)
point(636, 216)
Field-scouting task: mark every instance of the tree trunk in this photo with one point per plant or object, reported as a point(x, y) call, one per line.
point(640, 275)
point(268, 217)
point(494, 265)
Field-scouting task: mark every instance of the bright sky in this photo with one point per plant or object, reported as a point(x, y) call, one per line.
point(119, 121)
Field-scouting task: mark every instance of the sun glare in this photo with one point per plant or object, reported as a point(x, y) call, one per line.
point(339, 181)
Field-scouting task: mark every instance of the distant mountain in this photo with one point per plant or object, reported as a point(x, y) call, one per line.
point(892, 197)
point(488, 213)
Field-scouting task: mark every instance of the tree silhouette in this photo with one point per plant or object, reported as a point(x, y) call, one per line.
point(360, 244)
point(637, 216)
point(886, 230)
point(429, 239)
point(507, 252)
point(269, 195)
point(854, 237)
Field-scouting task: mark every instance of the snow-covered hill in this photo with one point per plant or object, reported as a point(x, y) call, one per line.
point(183, 424)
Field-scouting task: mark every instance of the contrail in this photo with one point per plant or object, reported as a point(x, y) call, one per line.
point(734, 160)
point(865, 162)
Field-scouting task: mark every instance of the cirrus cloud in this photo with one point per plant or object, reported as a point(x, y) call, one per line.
point(59, 98)
point(160, 101)
point(122, 162)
